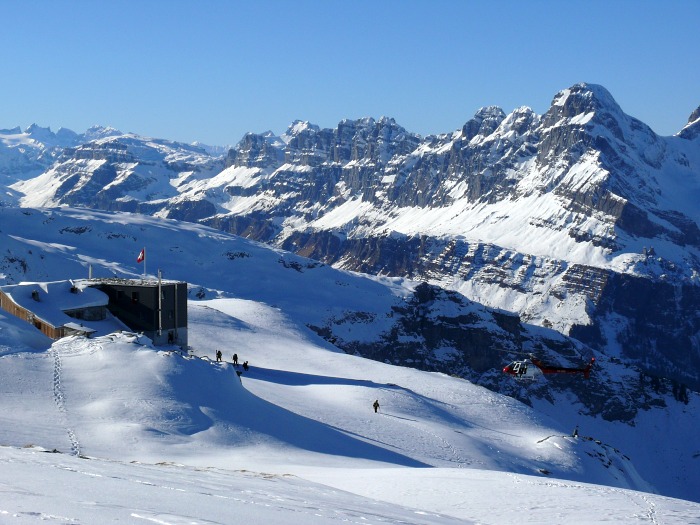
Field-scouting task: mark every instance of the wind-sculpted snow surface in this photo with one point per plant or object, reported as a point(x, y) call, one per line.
point(172, 438)
point(102, 491)
point(152, 399)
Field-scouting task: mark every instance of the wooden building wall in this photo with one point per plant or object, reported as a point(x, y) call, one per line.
point(13, 308)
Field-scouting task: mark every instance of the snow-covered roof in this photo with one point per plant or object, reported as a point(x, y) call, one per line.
point(80, 328)
point(147, 282)
point(55, 298)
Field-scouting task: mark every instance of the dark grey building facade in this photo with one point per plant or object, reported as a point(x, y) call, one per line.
point(158, 309)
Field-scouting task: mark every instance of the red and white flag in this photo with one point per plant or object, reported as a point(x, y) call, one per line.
point(141, 256)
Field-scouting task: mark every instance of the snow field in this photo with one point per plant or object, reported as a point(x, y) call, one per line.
point(146, 435)
point(133, 424)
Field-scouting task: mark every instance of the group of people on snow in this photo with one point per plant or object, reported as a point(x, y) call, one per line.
point(219, 356)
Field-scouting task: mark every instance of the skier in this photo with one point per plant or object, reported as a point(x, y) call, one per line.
point(235, 359)
point(376, 405)
point(218, 355)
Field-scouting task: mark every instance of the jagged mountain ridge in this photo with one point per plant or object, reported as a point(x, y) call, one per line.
point(551, 216)
point(26, 154)
point(123, 171)
point(308, 173)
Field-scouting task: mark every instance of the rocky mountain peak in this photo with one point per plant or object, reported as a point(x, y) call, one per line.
point(584, 98)
point(584, 105)
point(40, 134)
point(692, 129)
point(520, 121)
point(255, 150)
point(11, 131)
point(37, 129)
point(67, 136)
point(586, 118)
point(695, 115)
point(298, 127)
point(484, 122)
point(368, 125)
point(100, 132)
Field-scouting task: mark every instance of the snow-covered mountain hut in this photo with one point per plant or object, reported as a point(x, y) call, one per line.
point(156, 308)
point(55, 307)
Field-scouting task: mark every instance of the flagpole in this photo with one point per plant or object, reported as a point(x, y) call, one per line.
point(142, 259)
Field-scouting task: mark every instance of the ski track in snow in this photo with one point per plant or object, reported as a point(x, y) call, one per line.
point(60, 398)
point(66, 347)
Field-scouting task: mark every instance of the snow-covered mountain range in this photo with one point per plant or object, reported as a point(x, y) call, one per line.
point(581, 219)
point(157, 434)
point(26, 154)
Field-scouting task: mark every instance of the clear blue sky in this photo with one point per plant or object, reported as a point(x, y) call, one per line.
point(213, 70)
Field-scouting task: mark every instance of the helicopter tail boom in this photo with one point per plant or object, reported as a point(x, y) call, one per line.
point(547, 369)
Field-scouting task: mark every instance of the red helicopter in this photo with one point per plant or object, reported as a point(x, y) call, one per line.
point(531, 368)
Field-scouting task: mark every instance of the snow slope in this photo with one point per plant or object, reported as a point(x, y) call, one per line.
point(146, 435)
point(157, 435)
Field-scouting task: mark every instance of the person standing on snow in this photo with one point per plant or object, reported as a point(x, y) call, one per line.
point(376, 405)
point(218, 355)
point(235, 359)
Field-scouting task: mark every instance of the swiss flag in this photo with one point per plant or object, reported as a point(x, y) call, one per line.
point(141, 256)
